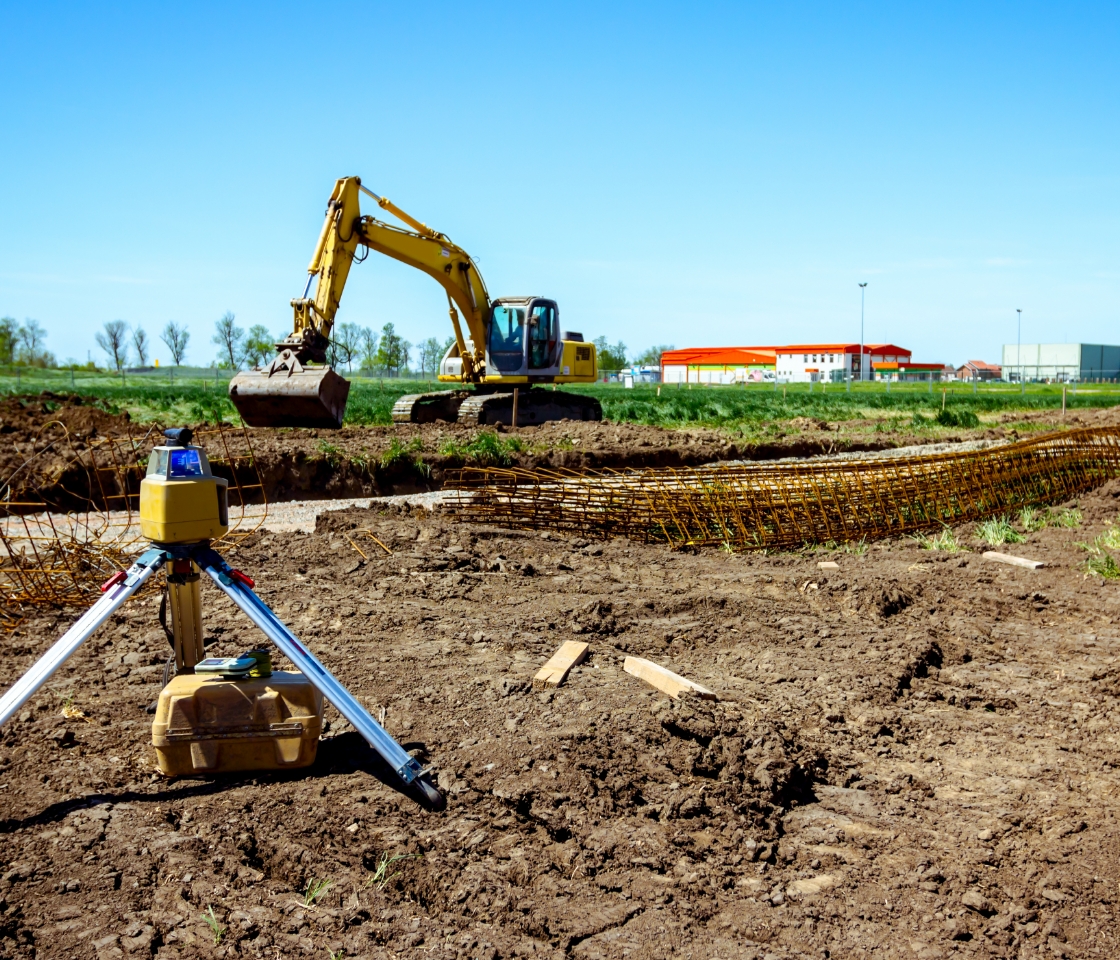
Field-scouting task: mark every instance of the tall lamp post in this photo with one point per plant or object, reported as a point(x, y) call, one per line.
point(862, 293)
point(1019, 350)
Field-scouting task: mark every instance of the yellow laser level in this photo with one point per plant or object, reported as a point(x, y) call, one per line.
point(181, 501)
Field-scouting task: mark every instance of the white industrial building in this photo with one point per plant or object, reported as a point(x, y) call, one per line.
point(1060, 361)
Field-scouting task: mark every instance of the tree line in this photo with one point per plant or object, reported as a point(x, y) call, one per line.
point(383, 352)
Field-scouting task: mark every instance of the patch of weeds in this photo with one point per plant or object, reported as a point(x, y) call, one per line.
point(1032, 519)
point(361, 460)
point(1068, 518)
point(453, 450)
point(315, 890)
point(1100, 563)
point(514, 445)
point(380, 877)
point(331, 453)
point(998, 531)
point(565, 443)
point(1110, 538)
point(945, 541)
point(399, 454)
point(856, 547)
point(217, 931)
point(958, 418)
point(488, 450)
point(336, 954)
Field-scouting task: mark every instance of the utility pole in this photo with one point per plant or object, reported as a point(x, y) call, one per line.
point(1019, 350)
point(862, 292)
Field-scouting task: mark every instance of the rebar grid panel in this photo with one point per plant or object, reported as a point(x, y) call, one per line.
point(60, 540)
point(788, 505)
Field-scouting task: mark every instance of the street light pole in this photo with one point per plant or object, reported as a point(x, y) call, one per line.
point(862, 293)
point(1019, 350)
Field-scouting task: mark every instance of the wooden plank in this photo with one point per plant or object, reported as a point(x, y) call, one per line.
point(664, 680)
point(555, 672)
point(1014, 561)
point(827, 565)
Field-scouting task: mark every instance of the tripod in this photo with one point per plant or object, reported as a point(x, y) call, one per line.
point(187, 562)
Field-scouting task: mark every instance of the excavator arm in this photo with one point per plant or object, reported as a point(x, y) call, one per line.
point(345, 229)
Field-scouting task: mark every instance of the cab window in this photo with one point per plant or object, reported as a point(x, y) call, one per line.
point(542, 335)
point(507, 338)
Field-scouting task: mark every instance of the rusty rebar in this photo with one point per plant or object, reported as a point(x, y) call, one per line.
point(749, 506)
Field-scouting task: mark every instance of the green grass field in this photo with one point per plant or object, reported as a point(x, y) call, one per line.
point(193, 395)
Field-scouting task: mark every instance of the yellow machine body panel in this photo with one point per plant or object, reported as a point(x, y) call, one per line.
point(180, 500)
point(206, 724)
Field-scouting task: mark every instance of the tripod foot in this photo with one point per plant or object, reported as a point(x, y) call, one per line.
point(426, 794)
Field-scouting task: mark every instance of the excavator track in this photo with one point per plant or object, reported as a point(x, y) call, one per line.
point(442, 405)
point(533, 407)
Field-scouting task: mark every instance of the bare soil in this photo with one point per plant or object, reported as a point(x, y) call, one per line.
point(913, 756)
point(40, 463)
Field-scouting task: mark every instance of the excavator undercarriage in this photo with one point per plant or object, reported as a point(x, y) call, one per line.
point(476, 408)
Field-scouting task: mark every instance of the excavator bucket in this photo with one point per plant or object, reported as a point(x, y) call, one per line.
point(305, 397)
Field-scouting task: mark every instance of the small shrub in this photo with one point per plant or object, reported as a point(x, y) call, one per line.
point(998, 531)
point(957, 418)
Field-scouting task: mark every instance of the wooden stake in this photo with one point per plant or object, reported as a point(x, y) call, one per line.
point(515, 395)
point(555, 672)
point(664, 680)
point(1014, 561)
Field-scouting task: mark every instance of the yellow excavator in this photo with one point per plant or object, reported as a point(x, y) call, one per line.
point(509, 344)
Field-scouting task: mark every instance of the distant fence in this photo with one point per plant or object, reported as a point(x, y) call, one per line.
point(757, 506)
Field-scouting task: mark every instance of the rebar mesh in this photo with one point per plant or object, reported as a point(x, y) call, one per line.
point(63, 534)
point(784, 505)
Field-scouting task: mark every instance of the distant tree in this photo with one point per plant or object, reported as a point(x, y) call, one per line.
point(368, 349)
point(610, 358)
point(140, 345)
point(29, 346)
point(651, 357)
point(230, 340)
point(9, 339)
point(346, 344)
point(392, 354)
point(113, 339)
point(259, 345)
point(430, 355)
point(176, 337)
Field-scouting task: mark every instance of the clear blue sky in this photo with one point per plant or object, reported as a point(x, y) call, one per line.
point(695, 174)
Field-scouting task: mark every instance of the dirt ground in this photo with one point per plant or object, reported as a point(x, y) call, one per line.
point(913, 756)
point(40, 463)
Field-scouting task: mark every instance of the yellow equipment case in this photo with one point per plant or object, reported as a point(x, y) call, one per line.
point(207, 724)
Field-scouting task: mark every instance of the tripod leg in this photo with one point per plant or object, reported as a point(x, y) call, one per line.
point(406, 767)
point(56, 656)
point(186, 614)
